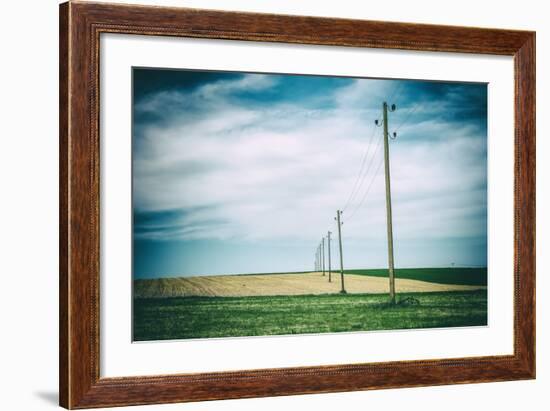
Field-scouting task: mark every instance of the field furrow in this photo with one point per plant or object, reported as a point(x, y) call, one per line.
point(282, 284)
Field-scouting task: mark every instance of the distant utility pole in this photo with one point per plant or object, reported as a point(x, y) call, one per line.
point(323, 254)
point(329, 263)
point(315, 263)
point(388, 201)
point(339, 222)
point(317, 259)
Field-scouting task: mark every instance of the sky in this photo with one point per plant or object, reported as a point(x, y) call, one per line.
point(243, 173)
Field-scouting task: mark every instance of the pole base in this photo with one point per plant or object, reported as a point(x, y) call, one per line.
point(343, 292)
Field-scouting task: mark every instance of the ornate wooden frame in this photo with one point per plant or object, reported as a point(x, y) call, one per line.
point(80, 27)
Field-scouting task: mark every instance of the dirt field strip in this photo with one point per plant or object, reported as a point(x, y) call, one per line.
point(281, 284)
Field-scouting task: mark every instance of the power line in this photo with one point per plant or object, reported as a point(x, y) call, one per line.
point(408, 115)
point(399, 87)
point(367, 190)
point(367, 151)
point(358, 184)
point(378, 145)
point(374, 155)
point(359, 176)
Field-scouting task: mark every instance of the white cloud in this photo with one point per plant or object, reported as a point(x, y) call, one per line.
point(281, 172)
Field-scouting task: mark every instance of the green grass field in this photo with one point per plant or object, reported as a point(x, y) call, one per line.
point(204, 317)
point(447, 275)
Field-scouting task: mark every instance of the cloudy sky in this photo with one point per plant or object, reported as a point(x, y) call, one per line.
point(243, 173)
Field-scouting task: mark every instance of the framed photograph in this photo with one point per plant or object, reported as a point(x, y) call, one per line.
point(258, 205)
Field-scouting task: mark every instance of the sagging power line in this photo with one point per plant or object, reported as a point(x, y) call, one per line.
point(357, 188)
point(370, 184)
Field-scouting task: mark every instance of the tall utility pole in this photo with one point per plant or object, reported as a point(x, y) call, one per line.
point(338, 214)
point(323, 255)
point(329, 263)
point(388, 201)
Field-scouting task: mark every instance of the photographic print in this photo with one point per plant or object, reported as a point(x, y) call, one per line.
point(280, 204)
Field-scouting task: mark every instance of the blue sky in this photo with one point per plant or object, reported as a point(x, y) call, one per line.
point(243, 173)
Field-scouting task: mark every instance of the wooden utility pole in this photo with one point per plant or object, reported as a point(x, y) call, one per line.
point(323, 255)
point(329, 262)
point(338, 214)
point(388, 202)
point(316, 263)
point(317, 259)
